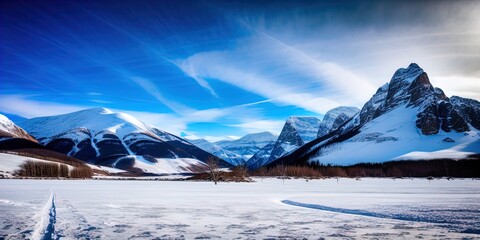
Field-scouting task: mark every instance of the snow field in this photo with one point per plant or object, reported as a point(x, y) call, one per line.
point(186, 210)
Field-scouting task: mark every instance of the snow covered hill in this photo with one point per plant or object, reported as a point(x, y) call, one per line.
point(10, 163)
point(229, 156)
point(8, 129)
point(406, 119)
point(102, 137)
point(248, 145)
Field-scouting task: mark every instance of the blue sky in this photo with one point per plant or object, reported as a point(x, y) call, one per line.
point(214, 69)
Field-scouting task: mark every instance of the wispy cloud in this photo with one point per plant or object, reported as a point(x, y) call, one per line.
point(281, 73)
point(191, 73)
point(152, 89)
point(100, 101)
point(22, 106)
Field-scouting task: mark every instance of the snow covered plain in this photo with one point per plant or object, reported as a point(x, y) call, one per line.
point(265, 209)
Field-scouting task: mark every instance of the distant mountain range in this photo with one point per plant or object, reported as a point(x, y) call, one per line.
point(239, 151)
point(406, 119)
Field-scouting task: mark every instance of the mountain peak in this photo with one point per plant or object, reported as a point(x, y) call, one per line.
point(334, 118)
point(405, 118)
point(97, 110)
point(9, 129)
point(94, 119)
point(414, 65)
point(294, 119)
point(407, 74)
point(258, 136)
point(249, 144)
point(296, 132)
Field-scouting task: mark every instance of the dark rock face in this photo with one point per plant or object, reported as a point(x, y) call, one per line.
point(468, 109)
point(437, 113)
point(404, 83)
point(412, 87)
point(152, 148)
point(111, 147)
point(419, 89)
point(121, 162)
point(296, 132)
point(448, 140)
point(427, 120)
point(288, 136)
point(261, 157)
point(334, 118)
point(408, 92)
point(86, 152)
point(339, 121)
point(62, 145)
point(373, 108)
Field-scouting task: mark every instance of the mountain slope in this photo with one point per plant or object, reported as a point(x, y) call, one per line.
point(8, 129)
point(230, 157)
point(406, 119)
point(102, 137)
point(334, 118)
point(261, 157)
point(248, 145)
point(296, 132)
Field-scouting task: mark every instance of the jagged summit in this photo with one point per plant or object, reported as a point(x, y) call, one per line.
point(411, 87)
point(296, 132)
point(407, 118)
point(306, 127)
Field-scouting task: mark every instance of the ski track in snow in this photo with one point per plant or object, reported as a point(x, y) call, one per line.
point(393, 216)
point(45, 228)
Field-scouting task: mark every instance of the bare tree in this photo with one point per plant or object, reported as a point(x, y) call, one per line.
point(241, 171)
point(213, 166)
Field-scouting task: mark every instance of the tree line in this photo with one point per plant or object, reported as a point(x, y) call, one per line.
point(53, 170)
point(394, 169)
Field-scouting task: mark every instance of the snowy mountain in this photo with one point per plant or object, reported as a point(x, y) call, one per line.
point(102, 137)
point(296, 132)
point(335, 118)
point(8, 129)
point(405, 119)
point(229, 156)
point(248, 145)
point(261, 157)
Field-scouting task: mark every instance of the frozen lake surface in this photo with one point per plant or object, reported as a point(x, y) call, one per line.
point(265, 209)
